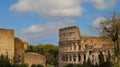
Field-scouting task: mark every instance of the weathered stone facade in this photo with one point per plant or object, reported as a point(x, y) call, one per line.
point(75, 48)
point(7, 42)
point(15, 49)
point(34, 58)
point(19, 51)
point(25, 45)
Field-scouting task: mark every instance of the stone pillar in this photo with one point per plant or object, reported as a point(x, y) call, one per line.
point(61, 58)
point(77, 60)
point(82, 58)
point(72, 57)
point(65, 58)
point(72, 47)
point(68, 58)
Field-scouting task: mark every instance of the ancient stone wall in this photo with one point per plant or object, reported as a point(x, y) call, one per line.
point(19, 50)
point(14, 48)
point(7, 42)
point(69, 33)
point(25, 45)
point(34, 58)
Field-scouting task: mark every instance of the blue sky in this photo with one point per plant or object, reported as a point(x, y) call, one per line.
point(38, 21)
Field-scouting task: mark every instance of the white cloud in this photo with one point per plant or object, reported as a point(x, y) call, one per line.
point(54, 9)
point(58, 8)
point(102, 4)
point(97, 21)
point(95, 26)
point(44, 31)
point(50, 8)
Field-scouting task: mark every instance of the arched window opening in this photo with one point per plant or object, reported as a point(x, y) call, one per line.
point(84, 57)
point(70, 58)
point(74, 47)
point(90, 52)
point(79, 57)
point(66, 58)
point(79, 47)
point(74, 57)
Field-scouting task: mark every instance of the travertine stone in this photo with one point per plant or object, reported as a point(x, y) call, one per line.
point(25, 45)
point(7, 42)
point(19, 50)
point(34, 58)
point(15, 49)
point(76, 48)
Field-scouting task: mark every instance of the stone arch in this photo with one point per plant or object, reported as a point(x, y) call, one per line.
point(74, 57)
point(79, 47)
point(70, 57)
point(84, 57)
point(79, 57)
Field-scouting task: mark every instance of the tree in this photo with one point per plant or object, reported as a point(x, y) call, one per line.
point(39, 65)
point(33, 65)
point(69, 65)
point(89, 63)
point(109, 55)
point(77, 65)
point(54, 52)
point(4, 61)
point(110, 27)
point(106, 64)
point(101, 58)
point(20, 65)
point(84, 63)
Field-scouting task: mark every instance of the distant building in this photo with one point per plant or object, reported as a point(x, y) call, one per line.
point(25, 45)
point(75, 48)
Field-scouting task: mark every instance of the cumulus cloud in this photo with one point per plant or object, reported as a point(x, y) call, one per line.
point(49, 8)
point(44, 31)
point(54, 9)
point(97, 21)
point(58, 8)
point(95, 26)
point(102, 4)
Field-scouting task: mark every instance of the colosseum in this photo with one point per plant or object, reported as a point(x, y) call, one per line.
point(75, 48)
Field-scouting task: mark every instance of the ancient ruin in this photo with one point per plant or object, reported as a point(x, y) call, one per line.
point(75, 48)
point(19, 50)
point(34, 58)
point(7, 42)
point(15, 48)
